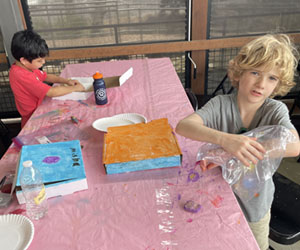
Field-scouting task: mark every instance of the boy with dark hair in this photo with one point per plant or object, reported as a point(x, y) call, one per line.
point(26, 78)
point(262, 69)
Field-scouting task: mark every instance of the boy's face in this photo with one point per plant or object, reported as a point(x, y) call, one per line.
point(34, 64)
point(257, 84)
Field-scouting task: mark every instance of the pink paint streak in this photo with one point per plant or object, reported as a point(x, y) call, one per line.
point(170, 184)
point(217, 201)
point(17, 211)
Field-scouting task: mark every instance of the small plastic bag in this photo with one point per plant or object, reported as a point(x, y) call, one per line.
point(247, 181)
point(64, 131)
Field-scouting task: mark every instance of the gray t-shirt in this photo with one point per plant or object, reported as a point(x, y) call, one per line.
point(222, 113)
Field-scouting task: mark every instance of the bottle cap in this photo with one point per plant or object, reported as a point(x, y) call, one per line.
point(27, 164)
point(97, 75)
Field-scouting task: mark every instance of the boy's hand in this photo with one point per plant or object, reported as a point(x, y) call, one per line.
point(71, 82)
point(206, 166)
point(244, 148)
point(78, 87)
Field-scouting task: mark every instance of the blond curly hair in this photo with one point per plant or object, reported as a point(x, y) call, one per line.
point(269, 51)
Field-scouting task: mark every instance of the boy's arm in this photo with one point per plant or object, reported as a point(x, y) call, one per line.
point(63, 90)
point(57, 79)
point(242, 147)
point(274, 147)
point(293, 149)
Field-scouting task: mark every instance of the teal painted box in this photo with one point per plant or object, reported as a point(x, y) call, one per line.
point(61, 165)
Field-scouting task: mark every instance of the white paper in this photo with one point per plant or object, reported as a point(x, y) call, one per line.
point(42, 139)
point(74, 96)
point(87, 82)
point(125, 76)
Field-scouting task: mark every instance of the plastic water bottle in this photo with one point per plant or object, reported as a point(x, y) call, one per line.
point(34, 191)
point(99, 89)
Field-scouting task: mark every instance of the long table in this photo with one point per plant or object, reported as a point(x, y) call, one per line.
point(141, 210)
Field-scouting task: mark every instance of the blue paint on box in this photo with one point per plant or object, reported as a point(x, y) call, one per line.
point(162, 162)
point(69, 166)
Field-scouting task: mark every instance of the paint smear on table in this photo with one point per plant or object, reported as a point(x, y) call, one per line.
point(217, 201)
point(52, 113)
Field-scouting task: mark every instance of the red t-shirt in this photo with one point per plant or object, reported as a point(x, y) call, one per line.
point(28, 88)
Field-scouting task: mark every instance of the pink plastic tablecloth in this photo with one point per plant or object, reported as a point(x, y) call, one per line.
point(141, 210)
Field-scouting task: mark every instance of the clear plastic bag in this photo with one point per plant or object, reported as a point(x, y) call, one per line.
point(66, 130)
point(247, 181)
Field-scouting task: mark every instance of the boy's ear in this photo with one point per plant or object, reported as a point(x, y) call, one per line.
point(233, 77)
point(23, 60)
point(236, 78)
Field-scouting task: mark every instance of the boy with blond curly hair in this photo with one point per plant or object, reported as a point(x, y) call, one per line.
point(263, 68)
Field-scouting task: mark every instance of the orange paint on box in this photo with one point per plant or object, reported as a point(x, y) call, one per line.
point(140, 141)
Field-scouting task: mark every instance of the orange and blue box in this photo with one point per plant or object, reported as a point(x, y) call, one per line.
point(140, 146)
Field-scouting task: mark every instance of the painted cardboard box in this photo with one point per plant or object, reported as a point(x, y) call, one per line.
point(140, 146)
point(60, 164)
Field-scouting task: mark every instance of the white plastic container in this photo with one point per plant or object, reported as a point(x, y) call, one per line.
point(34, 191)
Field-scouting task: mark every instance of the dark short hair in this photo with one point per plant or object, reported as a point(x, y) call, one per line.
point(28, 44)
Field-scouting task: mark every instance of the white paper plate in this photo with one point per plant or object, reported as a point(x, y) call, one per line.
point(118, 120)
point(16, 232)
point(103, 123)
point(135, 118)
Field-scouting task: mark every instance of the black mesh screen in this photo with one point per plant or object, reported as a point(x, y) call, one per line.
point(178, 60)
point(84, 23)
point(7, 103)
point(253, 17)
